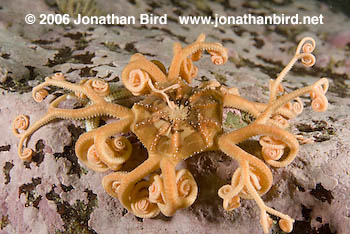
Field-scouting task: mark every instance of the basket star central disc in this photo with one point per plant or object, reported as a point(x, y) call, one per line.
point(182, 129)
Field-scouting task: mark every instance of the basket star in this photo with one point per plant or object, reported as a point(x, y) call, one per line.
point(175, 121)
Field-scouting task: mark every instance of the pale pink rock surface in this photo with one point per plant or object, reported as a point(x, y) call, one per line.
point(340, 39)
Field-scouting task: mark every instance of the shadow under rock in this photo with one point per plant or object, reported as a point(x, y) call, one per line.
point(204, 168)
